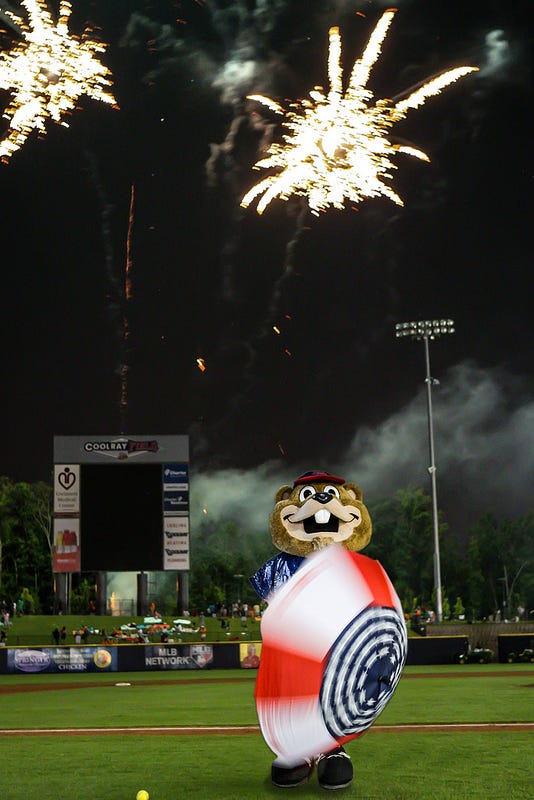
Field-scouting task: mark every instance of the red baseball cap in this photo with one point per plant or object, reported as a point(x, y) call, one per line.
point(317, 475)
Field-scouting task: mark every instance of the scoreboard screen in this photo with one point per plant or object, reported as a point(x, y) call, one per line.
point(121, 514)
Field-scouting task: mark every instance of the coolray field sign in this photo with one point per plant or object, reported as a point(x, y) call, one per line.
point(121, 503)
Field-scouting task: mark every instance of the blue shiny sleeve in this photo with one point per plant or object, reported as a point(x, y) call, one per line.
point(274, 573)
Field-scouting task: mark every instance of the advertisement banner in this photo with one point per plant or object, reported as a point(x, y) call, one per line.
point(67, 489)
point(151, 448)
point(176, 543)
point(176, 503)
point(62, 659)
point(249, 654)
point(173, 657)
point(67, 544)
point(175, 493)
point(175, 478)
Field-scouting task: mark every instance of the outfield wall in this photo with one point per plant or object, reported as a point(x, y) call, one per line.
point(485, 634)
point(436, 649)
point(513, 644)
point(170, 656)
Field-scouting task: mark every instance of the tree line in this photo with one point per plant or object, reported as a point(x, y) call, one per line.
point(488, 571)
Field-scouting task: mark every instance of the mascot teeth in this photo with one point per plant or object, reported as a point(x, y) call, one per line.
point(322, 516)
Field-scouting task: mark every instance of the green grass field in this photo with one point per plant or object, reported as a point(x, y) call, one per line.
point(388, 766)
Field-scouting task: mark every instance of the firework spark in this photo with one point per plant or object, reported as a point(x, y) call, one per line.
point(46, 73)
point(335, 147)
point(124, 369)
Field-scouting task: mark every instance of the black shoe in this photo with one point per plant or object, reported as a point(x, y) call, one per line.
point(334, 769)
point(287, 777)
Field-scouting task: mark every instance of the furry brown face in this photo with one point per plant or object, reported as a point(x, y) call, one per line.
point(317, 514)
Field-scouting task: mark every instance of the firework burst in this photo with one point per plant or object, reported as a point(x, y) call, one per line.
point(46, 73)
point(335, 147)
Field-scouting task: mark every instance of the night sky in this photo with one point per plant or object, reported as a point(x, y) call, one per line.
point(334, 389)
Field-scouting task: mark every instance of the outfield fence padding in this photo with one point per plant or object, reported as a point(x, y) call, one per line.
point(436, 649)
point(177, 656)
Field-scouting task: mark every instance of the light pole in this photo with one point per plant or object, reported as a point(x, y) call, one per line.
point(427, 330)
point(239, 577)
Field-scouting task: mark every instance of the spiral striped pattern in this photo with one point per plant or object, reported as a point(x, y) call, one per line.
point(363, 669)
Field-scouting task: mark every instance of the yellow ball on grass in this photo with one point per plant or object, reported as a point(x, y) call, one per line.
point(142, 795)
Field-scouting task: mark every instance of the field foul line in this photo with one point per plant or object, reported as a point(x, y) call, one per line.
point(239, 730)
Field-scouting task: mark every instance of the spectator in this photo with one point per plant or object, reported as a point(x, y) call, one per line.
point(55, 635)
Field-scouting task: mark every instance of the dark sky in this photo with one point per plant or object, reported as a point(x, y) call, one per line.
point(210, 279)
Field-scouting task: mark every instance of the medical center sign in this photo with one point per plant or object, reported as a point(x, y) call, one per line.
point(66, 548)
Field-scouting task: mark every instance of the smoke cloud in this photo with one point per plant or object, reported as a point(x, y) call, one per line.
point(498, 54)
point(484, 444)
point(484, 452)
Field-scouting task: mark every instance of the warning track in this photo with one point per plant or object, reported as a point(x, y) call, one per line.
point(243, 730)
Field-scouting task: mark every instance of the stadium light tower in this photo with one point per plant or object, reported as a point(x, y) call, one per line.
point(426, 330)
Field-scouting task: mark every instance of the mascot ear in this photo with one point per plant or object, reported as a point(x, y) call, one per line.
point(354, 490)
point(283, 493)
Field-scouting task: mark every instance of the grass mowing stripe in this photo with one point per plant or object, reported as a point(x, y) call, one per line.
point(244, 676)
point(440, 700)
point(413, 766)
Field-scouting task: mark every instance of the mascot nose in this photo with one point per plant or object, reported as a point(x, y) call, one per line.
point(322, 497)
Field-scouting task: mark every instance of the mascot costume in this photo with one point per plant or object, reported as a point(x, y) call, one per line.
point(334, 636)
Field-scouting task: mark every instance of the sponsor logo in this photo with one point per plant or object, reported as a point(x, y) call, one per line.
point(102, 659)
point(121, 448)
point(178, 526)
point(175, 474)
point(173, 505)
point(31, 660)
point(66, 479)
point(202, 654)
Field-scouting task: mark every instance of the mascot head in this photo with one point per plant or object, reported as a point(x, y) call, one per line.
point(318, 510)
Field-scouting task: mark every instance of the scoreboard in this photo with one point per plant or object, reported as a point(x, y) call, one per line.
point(121, 503)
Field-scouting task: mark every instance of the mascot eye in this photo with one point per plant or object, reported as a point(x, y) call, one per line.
point(333, 490)
point(306, 492)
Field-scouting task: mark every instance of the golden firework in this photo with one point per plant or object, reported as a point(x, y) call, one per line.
point(46, 72)
point(334, 147)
